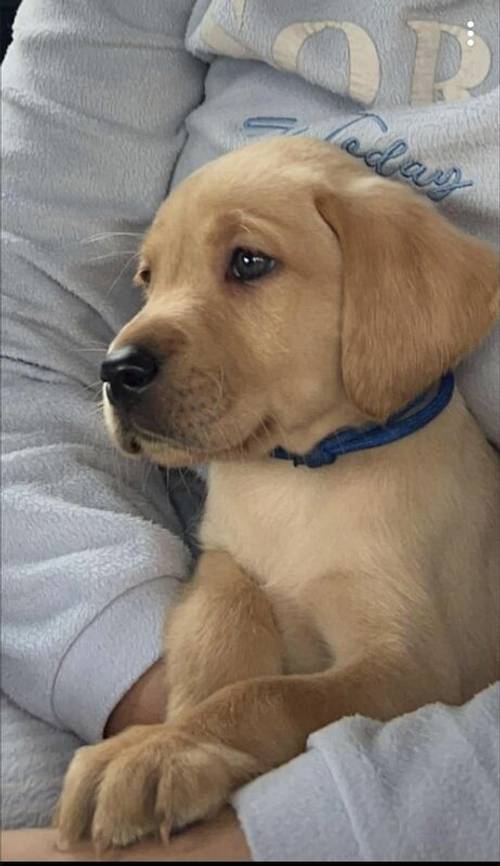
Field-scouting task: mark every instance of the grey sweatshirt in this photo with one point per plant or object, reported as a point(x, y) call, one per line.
point(106, 105)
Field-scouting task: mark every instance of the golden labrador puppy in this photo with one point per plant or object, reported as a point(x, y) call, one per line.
point(291, 293)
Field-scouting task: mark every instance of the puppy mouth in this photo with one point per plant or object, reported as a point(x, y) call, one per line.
point(133, 440)
point(137, 441)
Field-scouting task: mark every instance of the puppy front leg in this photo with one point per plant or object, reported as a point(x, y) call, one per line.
point(222, 631)
point(171, 775)
point(269, 719)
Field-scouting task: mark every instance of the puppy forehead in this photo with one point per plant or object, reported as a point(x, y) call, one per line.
point(231, 185)
point(207, 212)
point(272, 179)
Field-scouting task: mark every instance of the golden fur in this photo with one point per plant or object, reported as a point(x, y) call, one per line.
point(369, 586)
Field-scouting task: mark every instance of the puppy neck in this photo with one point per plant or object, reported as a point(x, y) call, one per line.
point(410, 419)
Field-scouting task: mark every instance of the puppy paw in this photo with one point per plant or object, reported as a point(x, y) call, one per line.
point(149, 779)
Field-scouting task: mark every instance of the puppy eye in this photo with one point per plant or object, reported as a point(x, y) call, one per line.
point(143, 276)
point(246, 265)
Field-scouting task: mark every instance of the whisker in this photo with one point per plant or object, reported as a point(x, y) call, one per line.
point(113, 284)
point(94, 385)
point(113, 255)
point(102, 236)
point(279, 425)
point(148, 469)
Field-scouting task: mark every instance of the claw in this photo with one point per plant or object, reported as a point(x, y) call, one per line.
point(165, 831)
point(100, 847)
point(62, 843)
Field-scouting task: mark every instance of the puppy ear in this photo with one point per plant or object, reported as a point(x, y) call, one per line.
point(418, 293)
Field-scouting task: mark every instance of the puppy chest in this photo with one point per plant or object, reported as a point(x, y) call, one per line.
point(277, 530)
point(269, 536)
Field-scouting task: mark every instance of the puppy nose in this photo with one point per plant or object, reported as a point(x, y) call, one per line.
point(128, 371)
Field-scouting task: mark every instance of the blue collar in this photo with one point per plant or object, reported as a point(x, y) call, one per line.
point(415, 415)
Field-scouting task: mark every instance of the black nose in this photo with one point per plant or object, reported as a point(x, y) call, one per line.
point(128, 371)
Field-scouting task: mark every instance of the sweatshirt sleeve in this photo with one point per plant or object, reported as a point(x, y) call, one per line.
point(424, 787)
point(94, 101)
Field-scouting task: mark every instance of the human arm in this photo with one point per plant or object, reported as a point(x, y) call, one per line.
point(425, 786)
point(218, 840)
point(94, 101)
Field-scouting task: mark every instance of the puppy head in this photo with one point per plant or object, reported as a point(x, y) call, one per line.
point(289, 292)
